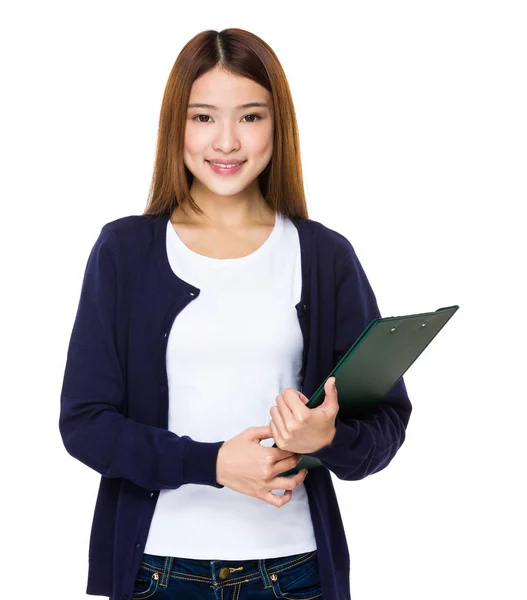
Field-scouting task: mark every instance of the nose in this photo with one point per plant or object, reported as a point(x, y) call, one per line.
point(226, 138)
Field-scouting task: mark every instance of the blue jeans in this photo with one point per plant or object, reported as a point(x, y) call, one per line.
point(169, 578)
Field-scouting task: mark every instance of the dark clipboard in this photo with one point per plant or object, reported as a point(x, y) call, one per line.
point(375, 362)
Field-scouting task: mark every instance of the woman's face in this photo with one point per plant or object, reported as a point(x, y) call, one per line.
point(228, 132)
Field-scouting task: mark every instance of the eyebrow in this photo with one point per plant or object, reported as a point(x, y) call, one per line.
point(211, 106)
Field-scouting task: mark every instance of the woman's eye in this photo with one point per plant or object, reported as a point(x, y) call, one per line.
point(257, 117)
point(207, 116)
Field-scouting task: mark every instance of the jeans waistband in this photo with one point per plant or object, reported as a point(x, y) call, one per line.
point(218, 571)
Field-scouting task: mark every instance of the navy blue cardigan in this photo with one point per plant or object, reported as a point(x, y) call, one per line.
point(114, 398)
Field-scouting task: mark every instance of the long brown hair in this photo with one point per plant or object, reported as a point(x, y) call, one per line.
point(241, 53)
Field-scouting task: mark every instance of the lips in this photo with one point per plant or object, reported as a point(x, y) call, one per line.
point(226, 171)
point(222, 164)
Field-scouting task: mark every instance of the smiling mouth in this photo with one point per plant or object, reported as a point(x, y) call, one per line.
point(226, 166)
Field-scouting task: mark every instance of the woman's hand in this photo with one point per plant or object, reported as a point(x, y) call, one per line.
point(247, 467)
point(303, 430)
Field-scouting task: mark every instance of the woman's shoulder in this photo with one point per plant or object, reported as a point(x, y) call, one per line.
point(328, 238)
point(131, 224)
point(130, 236)
point(133, 228)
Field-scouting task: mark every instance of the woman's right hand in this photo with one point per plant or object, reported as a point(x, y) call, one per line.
point(245, 466)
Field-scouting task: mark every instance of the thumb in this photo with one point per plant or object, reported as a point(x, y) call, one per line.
point(330, 388)
point(260, 433)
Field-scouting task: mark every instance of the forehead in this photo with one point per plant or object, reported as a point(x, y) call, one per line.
point(227, 91)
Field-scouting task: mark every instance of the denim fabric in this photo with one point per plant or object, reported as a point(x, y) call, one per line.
point(168, 578)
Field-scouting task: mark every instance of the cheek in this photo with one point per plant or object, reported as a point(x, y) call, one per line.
point(267, 146)
point(195, 142)
point(261, 151)
point(261, 141)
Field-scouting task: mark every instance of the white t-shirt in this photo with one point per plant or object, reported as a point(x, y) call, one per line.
point(230, 353)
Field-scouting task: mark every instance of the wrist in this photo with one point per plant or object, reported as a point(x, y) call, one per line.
point(332, 435)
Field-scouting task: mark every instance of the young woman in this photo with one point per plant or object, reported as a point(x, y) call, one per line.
point(203, 327)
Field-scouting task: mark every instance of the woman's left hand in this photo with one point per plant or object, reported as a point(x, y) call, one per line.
point(300, 429)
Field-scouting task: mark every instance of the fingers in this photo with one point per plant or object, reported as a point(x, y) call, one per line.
point(278, 500)
point(285, 453)
point(288, 483)
point(284, 483)
point(296, 460)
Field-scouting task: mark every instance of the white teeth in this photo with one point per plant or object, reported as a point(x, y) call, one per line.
point(225, 166)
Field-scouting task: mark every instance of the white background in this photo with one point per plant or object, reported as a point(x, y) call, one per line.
point(413, 128)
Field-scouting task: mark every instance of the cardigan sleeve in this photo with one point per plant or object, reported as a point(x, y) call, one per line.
point(366, 445)
point(93, 422)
